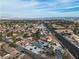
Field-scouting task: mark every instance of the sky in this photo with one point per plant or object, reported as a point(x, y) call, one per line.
point(39, 8)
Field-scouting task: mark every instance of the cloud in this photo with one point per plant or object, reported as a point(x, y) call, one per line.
point(32, 8)
point(68, 1)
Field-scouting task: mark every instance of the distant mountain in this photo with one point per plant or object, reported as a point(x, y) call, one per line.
point(43, 18)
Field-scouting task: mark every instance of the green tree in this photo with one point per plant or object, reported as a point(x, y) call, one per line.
point(14, 39)
point(0, 36)
point(11, 44)
point(10, 33)
point(37, 35)
point(25, 35)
